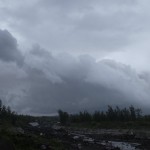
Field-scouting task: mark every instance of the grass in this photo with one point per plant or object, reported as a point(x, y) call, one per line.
point(28, 141)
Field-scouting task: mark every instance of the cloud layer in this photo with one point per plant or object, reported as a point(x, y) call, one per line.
point(46, 82)
point(74, 55)
point(87, 26)
point(8, 48)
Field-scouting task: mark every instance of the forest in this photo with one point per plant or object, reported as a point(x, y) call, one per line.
point(112, 114)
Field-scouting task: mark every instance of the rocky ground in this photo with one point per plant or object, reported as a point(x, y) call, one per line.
point(65, 138)
point(98, 139)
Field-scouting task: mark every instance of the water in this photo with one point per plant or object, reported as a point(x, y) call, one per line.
point(108, 144)
point(121, 145)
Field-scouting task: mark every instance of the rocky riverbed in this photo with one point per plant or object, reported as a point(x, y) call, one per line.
point(108, 139)
point(98, 139)
point(67, 138)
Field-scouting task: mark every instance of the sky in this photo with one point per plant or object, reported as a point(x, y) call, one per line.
point(74, 55)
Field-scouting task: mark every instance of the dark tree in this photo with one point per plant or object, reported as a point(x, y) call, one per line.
point(63, 116)
point(132, 112)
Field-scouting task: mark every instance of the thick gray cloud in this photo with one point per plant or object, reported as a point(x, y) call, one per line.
point(48, 82)
point(76, 26)
point(86, 54)
point(8, 48)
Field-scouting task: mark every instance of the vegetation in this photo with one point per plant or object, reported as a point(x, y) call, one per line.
point(6, 115)
point(63, 117)
point(112, 114)
point(12, 139)
point(111, 118)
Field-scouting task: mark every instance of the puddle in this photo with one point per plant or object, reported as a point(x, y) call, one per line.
point(109, 144)
point(121, 145)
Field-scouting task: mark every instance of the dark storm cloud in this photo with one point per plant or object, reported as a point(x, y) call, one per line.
point(47, 82)
point(8, 48)
point(78, 83)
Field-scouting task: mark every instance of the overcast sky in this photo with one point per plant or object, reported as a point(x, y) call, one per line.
point(74, 54)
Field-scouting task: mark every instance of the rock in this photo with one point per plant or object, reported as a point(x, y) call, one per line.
point(16, 130)
point(88, 140)
point(43, 147)
point(79, 146)
point(41, 134)
point(34, 124)
point(76, 137)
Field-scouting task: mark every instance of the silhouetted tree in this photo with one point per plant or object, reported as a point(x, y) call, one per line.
point(63, 116)
point(132, 113)
point(138, 113)
point(110, 113)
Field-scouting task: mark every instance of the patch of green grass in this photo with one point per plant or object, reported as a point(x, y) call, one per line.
point(29, 142)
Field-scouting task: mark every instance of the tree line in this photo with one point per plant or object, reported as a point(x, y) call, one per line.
point(6, 114)
point(111, 114)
